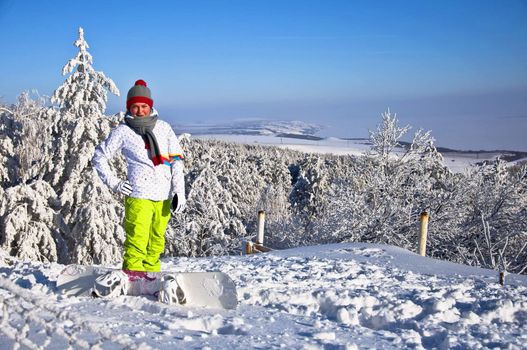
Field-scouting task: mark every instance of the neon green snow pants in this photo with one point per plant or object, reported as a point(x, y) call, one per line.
point(145, 222)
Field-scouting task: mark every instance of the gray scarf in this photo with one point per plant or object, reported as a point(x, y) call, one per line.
point(144, 126)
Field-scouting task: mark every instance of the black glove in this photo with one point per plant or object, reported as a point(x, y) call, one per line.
point(178, 203)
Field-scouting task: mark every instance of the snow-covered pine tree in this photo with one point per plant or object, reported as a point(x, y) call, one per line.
point(84, 92)
point(92, 213)
point(342, 208)
point(8, 128)
point(279, 223)
point(212, 223)
point(29, 216)
point(308, 186)
point(24, 138)
point(82, 100)
point(259, 179)
point(31, 223)
point(56, 146)
point(34, 141)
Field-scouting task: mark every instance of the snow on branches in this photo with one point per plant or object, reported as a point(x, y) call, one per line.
point(31, 223)
point(386, 138)
point(84, 92)
point(53, 207)
point(46, 158)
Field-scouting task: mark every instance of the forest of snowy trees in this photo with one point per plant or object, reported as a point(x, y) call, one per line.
point(53, 206)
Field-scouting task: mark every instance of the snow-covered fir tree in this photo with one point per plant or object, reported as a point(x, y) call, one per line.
point(84, 92)
point(30, 219)
point(8, 128)
point(91, 211)
point(225, 183)
point(280, 226)
point(24, 138)
point(65, 143)
point(31, 223)
point(311, 184)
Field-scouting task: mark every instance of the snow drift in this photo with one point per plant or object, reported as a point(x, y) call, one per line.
point(345, 296)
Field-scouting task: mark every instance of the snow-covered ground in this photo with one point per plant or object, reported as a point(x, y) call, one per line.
point(342, 296)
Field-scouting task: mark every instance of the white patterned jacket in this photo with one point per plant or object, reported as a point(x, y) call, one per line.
point(156, 183)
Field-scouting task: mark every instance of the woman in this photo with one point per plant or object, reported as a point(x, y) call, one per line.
point(154, 186)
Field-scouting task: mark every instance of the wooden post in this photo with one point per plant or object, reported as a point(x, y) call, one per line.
point(502, 278)
point(248, 247)
point(423, 233)
point(258, 247)
point(261, 222)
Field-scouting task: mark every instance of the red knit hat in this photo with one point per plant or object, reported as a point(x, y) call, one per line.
point(139, 93)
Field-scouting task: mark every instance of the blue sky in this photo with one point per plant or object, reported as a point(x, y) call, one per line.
point(458, 67)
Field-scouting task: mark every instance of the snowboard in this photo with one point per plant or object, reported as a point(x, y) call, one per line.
point(203, 289)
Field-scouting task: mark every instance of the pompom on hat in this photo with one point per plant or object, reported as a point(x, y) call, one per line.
point(139, 93)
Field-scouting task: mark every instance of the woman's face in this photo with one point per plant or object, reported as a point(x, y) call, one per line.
point(140, 110)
